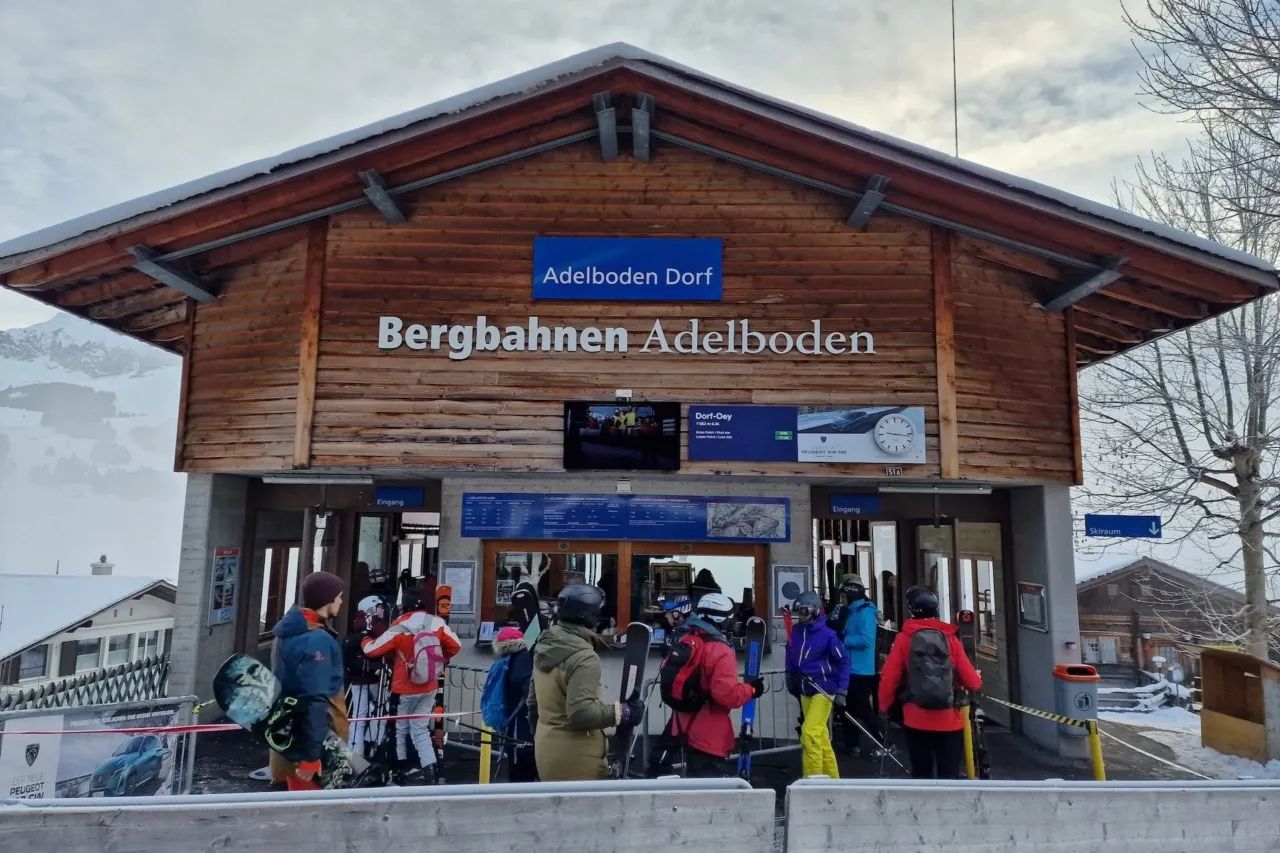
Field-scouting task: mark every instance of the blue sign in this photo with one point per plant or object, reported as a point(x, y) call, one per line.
point(755, 433)
point(855, 506)
point(628, 269)
point(497, 515)
point(1124, 526)
point(400, 497)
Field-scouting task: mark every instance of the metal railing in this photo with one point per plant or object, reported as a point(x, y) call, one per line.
point(136, 681)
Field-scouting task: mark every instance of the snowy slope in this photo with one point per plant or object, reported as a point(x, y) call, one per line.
point(87, 421)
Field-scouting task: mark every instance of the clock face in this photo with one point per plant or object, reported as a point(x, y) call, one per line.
point(894, 434)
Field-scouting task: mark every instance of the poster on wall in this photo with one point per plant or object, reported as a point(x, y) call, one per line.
point(96, 763)
point(788, 583)
point(460, 575)
point(1033, 610)
point(222, 593)
point(874, 434)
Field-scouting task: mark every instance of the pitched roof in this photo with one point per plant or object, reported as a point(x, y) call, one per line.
point(1170, 278)
point(36, 607)
point(1108, 573)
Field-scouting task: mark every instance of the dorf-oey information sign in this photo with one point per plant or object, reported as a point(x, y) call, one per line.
point(625, 269)
point(888, 434)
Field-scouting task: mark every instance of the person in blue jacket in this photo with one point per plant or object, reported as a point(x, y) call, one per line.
point(817, 674)
point(859, 635)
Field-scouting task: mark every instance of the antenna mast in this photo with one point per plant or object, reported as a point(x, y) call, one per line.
point(955, 84)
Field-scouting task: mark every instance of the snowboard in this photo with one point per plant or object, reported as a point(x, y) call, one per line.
point(524, 612)
point(249, 694)
point(635, 655)
point(755, 648)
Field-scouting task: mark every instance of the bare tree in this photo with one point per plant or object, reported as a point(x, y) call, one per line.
point(1188, 427)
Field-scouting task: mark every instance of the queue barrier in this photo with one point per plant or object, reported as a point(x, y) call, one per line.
point(1090, 727)
point(630, 816)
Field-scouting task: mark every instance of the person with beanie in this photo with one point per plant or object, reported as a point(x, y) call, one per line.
point(514, 666)
point(307, 659)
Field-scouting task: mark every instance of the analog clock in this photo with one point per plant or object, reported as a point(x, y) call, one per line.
point(894, 434)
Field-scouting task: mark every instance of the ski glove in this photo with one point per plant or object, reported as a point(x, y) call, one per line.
point(840, 699)
point(632, 711)
point(793, 684)
point(757, 686)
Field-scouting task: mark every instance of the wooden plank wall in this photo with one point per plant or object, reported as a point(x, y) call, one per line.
point(243, 384)
point(1013, 394)
point(467, 250)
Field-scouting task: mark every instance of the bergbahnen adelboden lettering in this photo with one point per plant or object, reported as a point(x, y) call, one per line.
point(462, 340)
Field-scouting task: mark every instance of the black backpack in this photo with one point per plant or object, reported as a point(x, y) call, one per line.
point(680, 676)
point(930, 671)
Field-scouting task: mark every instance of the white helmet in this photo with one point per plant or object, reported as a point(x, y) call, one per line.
point(370, 605)
point(716, 607)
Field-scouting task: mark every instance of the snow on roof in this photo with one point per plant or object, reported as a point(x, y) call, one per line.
point(1090, 569)
point(34, 607)
point(619, 53)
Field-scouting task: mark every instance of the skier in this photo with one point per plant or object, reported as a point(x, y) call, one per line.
point(307, 659)
point(859, 634)
point(422, 643)
point(509, 676)
point(707, 733)
point(565, 708)
point(363, 675)
point(817, 668)
point(921, 675)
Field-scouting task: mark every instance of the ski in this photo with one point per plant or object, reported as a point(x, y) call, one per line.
point(755, 647)
point(444, 606)
point(635, 655)
point(524, 612)
point(967, 625)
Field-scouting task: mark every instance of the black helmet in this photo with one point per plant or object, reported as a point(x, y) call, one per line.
point(580, 604)
point(808, 605)
point(922, 603)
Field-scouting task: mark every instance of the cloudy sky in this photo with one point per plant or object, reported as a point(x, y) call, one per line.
point(103, 102)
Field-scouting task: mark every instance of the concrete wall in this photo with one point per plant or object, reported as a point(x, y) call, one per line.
point(214, 518)
point(798, 551)
point(1042, 554)
point(1033, 817)
point(614, 816)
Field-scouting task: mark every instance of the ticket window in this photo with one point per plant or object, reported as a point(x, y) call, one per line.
point(550, 572)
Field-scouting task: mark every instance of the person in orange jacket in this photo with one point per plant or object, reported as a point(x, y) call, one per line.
point(422, 643)
point(924, 675)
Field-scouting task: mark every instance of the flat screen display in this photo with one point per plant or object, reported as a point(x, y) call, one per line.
point(622, 436)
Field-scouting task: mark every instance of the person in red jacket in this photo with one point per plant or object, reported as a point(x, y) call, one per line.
point(421, 643)
point(923, 675)
point(707, 733)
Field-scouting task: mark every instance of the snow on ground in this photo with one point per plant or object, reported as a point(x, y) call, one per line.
point(1179, 729)
point(1166, 719)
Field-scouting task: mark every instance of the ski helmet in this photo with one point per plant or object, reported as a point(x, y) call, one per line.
point(922, 603)
point(807, 606)
point(580, 604)
point(370, 605)
point(716, 607)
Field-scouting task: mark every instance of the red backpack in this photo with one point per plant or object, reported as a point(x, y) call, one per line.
point(680, 676)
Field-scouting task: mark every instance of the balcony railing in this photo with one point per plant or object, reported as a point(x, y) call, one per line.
point(136, 681)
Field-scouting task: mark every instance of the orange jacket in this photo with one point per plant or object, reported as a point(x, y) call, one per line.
point(398, 638)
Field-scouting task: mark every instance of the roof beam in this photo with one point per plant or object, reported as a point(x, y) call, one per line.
point(1107, 329)
point(148, 263)
point(641, 121)
point(375, 189)
point(1100, 279)
point(870, 201)
point(607, 125)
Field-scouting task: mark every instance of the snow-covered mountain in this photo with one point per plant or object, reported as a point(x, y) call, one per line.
point(87, 423)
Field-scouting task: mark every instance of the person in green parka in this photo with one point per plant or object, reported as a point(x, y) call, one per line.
point(565, 707)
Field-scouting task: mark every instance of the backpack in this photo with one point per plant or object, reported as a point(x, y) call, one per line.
point(424, 664)
point(930, 671)
point(679, 676)
point(493, 702)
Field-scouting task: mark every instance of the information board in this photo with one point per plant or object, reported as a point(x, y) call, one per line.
point(881, 434)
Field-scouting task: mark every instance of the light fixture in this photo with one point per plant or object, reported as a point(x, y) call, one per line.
point(934, 489)
point(318, 479)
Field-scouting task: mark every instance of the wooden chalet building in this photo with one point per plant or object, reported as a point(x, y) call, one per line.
point(619, 318)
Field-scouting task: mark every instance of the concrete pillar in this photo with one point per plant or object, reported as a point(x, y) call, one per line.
point(1043, 554)
point(214, 517)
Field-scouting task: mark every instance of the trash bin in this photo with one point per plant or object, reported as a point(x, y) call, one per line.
point(1076, 689)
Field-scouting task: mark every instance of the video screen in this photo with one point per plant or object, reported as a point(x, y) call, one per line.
point(622, 436)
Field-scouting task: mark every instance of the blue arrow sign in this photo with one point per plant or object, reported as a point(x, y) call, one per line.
point(1124, 526)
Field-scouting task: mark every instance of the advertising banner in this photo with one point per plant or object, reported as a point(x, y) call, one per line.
point(648, 517)
point(628, 269)
point(222, 585)
point(95, 763)
point(877, 434)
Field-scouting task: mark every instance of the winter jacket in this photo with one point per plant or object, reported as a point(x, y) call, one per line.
point(568, 716)
point(860, 637)
point(398, 639)
point(307, 660)
point(709, 729)
point(515, 691)
point(358, 668)
point(894, 679)
point(816, 655)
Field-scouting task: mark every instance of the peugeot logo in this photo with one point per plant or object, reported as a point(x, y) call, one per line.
point(822, 438)
point(33, 749)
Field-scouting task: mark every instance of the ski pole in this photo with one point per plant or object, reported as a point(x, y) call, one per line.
point(885, 750)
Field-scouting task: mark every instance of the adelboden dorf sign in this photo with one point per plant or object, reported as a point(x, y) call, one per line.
point(623, 269)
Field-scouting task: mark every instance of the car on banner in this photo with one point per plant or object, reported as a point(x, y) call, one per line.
point(134, 768)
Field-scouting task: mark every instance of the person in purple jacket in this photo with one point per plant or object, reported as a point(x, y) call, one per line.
point(818, 675)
